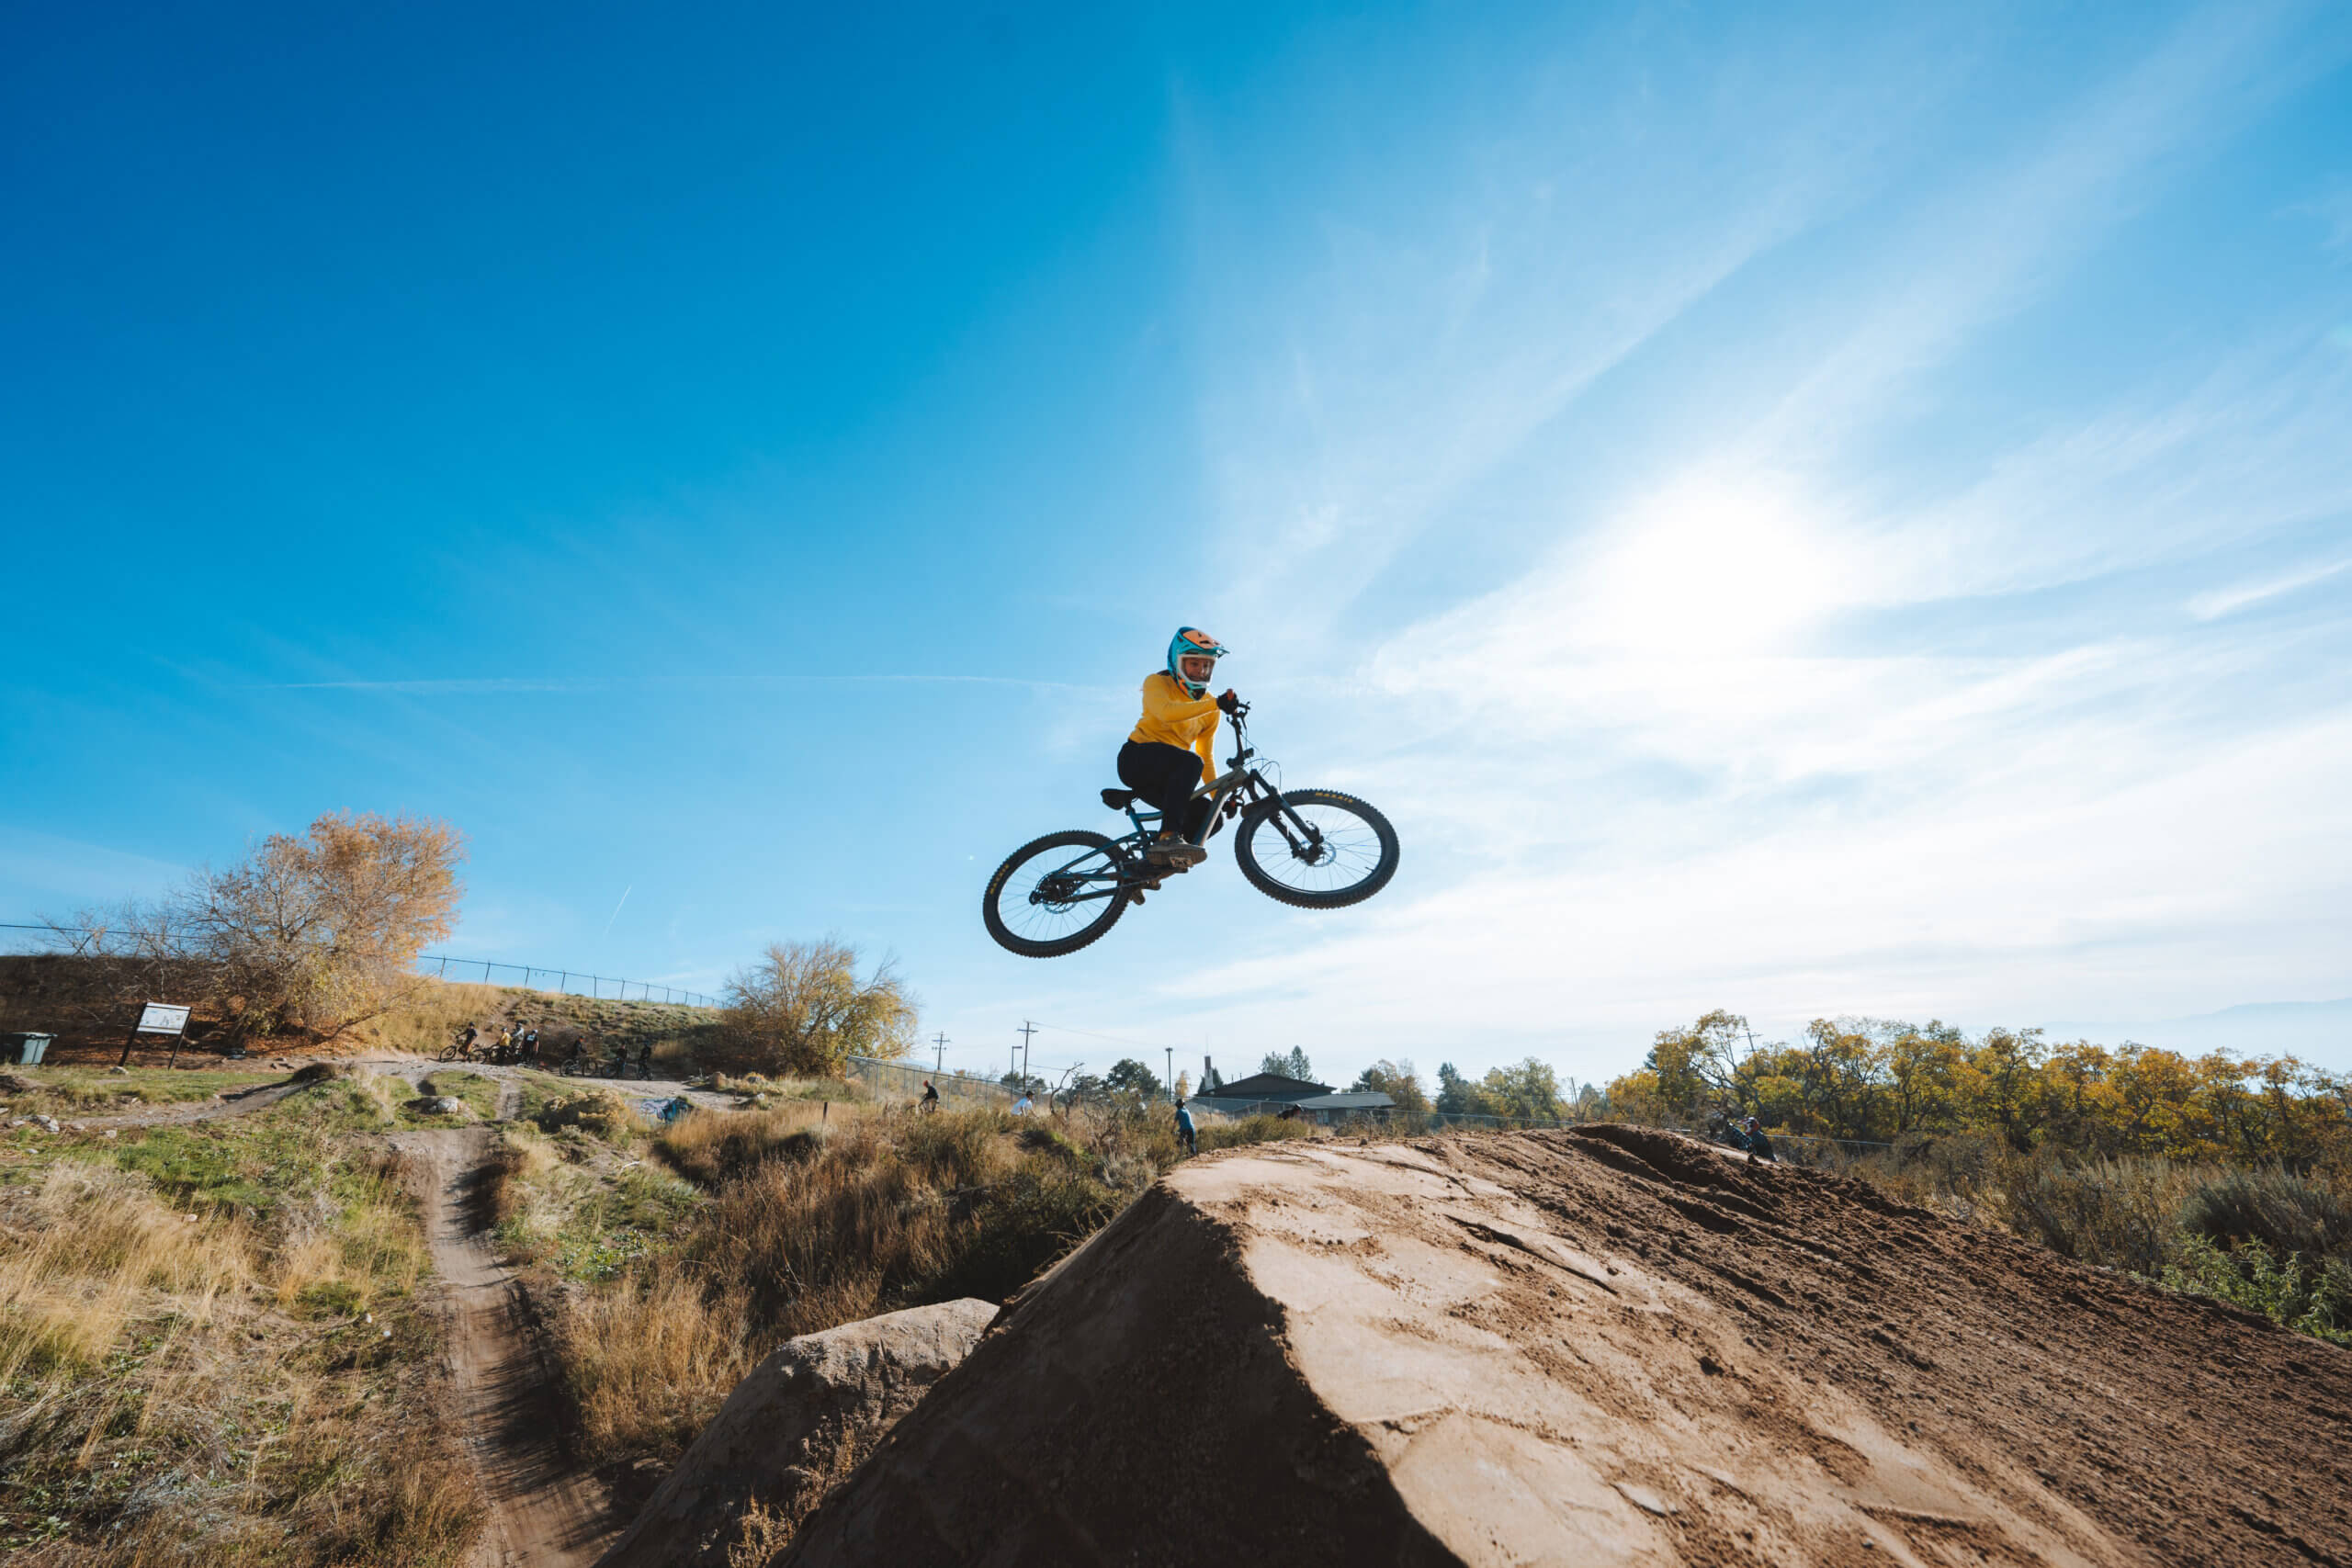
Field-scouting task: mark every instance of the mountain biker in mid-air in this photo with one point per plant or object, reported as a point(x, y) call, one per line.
point(1173, 748)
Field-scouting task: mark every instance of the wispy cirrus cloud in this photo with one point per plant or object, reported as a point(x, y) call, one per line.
point(1809, 708)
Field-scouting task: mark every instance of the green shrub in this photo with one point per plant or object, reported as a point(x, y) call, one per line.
point(2310, 1299)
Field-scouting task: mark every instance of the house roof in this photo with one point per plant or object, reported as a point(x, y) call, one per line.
point(1365, 1101)
point(1267, 1085)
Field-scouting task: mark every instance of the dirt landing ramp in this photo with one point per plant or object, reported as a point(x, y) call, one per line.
point(1604, 1347)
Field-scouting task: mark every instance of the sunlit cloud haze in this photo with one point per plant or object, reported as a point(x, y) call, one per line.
point(1835, 512)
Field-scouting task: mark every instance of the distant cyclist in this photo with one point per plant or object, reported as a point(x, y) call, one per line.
point(1172, 749)
point(929, 1096)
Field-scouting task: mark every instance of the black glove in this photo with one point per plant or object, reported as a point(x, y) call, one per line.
point(1229, 702)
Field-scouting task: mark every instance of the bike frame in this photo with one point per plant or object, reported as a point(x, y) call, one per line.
point(1130, 870)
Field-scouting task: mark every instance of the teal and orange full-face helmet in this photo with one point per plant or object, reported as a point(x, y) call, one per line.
point(1192, 643)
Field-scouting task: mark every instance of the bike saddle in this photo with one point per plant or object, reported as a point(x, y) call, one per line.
point(1118, 799)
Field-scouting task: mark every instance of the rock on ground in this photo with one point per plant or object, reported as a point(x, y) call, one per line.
point(1605, 1345)
point(791, 1429)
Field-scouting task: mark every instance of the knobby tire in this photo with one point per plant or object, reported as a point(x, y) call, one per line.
point(1112, 906)
point(1245, 850)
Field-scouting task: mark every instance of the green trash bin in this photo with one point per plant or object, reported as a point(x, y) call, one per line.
point(28, 1048)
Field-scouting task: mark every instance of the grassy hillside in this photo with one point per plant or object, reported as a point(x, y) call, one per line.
point(212, 1348)
point(67, 998)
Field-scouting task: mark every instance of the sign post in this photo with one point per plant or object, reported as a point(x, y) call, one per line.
point(157, 1018)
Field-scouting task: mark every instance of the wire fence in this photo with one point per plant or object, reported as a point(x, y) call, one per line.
point(20, 940)
point(566, 981)
point(905, 1080)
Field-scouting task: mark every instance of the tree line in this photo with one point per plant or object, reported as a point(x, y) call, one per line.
point(1883, 1080)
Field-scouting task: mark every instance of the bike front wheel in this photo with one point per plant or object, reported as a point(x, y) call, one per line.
point(1055, 895)
point(1315, 849)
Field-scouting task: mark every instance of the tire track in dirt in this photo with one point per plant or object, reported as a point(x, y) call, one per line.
point(545, 1512)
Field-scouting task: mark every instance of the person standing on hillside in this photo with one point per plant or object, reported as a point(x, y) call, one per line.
point(1172, 749)
point(1185, 1129)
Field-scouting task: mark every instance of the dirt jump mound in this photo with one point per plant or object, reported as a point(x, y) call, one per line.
point(1599, 1347)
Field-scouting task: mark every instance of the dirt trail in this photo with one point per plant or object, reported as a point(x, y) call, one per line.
point(544, 1513)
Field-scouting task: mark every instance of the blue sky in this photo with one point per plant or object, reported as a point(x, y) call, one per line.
point(1810, 512)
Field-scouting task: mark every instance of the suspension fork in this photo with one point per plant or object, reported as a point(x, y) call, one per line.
point(1284, 818)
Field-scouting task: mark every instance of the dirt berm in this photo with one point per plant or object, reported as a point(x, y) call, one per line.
point(1605, 1345)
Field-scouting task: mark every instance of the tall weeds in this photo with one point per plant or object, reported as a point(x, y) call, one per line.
point(2264, 1238)
point(212, 1352)
point(817, 1217)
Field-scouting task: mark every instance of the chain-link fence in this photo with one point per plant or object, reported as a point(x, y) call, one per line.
point(903, 1081)
point(570, 982)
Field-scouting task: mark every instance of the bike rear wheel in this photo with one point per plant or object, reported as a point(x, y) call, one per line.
point(1055, 895)
point(1346, 852)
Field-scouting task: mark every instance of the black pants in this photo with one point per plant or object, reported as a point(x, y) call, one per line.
point(1166, 777)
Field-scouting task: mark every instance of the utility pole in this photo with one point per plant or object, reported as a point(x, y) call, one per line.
point(939, 1044)
point(1172, 1072)
point(1027, 1028)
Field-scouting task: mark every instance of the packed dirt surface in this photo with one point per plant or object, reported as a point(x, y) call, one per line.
point(544, 1512)
point(1605, 1345)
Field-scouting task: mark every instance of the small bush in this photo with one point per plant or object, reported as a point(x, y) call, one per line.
point(596, 1111)
point(1252, 1129)
point(708, 1147)
point(2285, 1212)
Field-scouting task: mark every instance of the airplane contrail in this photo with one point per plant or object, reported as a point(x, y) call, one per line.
point(616, 908)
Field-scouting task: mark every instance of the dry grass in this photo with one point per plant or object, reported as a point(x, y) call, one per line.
point(428, 1022)
point(2266, 1238)
point(709, 1149)
point(814, 1215)
point(84, 1251)
point(211, 1351)
point(818, 1216)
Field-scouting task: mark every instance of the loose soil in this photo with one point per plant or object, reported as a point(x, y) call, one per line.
point(545, 1512)
point(1606, 1346)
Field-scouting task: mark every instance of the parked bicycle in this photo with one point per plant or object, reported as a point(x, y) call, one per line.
point(1312, 849)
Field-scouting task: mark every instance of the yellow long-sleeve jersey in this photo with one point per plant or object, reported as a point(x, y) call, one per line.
point(1173, 717)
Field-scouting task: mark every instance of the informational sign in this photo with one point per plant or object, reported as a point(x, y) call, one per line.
point(161, 1018)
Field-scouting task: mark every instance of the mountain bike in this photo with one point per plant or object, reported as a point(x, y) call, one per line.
point(1312, 849)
